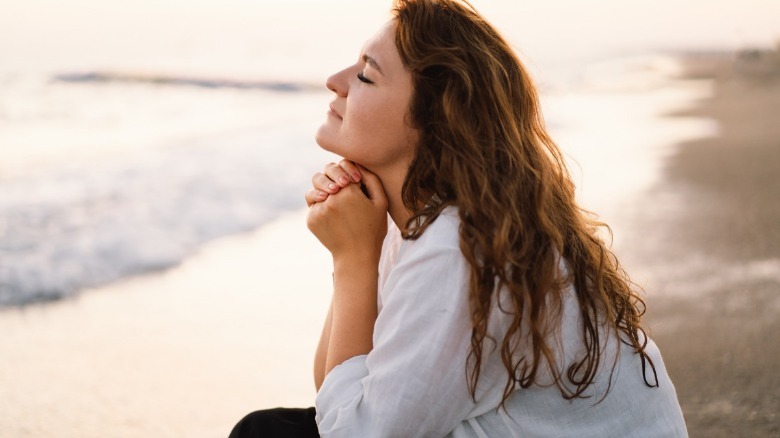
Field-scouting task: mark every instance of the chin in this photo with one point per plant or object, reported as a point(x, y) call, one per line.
point(322, 138)
point(329, 142)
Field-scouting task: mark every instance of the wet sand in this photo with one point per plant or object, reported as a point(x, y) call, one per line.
point(710, 253)
point(184, 353)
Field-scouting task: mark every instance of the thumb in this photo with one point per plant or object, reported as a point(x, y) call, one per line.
point(374, 188)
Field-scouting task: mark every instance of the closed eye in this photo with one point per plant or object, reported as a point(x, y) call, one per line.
point(363, 78)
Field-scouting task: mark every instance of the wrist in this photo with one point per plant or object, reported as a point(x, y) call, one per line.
point(352, 262)
point(356, 279)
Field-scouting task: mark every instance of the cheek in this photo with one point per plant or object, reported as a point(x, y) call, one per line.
point(373, 131)
point(378, 119)
point(362, 116)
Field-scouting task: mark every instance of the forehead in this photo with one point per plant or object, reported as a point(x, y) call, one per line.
point(382, 48)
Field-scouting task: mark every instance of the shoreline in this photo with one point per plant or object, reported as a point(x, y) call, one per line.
point(713, 258)
point(185, 352)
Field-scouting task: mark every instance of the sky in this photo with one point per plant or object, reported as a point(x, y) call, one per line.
point(304, 38)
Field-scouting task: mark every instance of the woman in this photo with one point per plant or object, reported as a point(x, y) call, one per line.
point(487, 305)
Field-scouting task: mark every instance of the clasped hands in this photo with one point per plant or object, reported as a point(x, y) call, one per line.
point(348, 211)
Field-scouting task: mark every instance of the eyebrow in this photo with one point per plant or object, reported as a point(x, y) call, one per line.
point(372, 62)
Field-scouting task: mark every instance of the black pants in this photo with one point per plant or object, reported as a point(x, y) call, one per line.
point(279, 422)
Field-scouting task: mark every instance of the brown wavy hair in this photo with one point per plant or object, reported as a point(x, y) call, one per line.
point(483, 148)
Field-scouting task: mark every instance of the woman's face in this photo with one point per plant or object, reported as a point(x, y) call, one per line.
point(367, 119)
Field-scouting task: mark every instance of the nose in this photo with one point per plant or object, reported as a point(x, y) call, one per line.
point(338, 83)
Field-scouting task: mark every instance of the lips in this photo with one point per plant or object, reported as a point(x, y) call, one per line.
point(333, 112)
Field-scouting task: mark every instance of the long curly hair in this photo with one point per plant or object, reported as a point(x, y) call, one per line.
point(483, 147)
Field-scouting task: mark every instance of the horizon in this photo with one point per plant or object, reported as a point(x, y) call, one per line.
point(274, 39)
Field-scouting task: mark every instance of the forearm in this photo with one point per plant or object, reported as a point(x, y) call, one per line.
point(322, 350)
point(354, 310)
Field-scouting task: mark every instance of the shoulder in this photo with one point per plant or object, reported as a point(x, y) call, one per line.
point(443, 232)
point(437, 249)
point(434, 257)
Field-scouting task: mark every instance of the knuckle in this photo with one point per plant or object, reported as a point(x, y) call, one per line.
point(322, 182)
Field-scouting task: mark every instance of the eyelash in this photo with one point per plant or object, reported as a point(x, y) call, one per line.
point(364, 79)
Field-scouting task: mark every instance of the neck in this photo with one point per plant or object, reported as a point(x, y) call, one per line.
point(398, 213)
point(393, 182)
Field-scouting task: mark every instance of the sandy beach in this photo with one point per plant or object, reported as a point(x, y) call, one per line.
point(189, 351)
point(710, 245)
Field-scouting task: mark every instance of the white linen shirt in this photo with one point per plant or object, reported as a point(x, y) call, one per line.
point(413, 383)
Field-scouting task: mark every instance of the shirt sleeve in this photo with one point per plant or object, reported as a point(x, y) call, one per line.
point(414, 382)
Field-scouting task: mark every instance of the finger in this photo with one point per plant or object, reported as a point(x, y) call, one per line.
point(373, 187)
point(320, 181)
point(314, 196)
point(351, 169)
point(337, 174)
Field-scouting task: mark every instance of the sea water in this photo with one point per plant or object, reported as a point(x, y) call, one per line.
point(132, 135)
point(143, 197)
